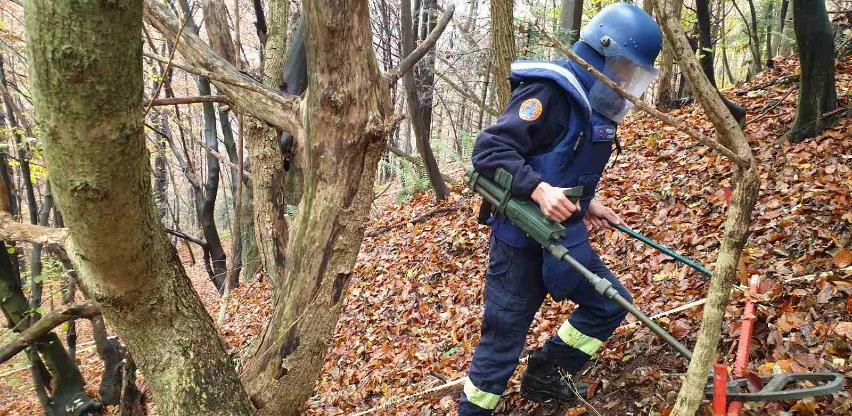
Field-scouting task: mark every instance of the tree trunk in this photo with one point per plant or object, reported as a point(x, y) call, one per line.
point(503, 45)
point(666, 92)
point(219, 34)
point(344, 138)
point(268, 171)
point(706, 55)
point(570, 18)
point(817, 92)
point(88, 98)
point(770, 6)
point(419, 92)
point(746, 186)
point(161, 179)
point(340, 132)
point(23, 151)
point(753, 38)
point(777, 37)
point(786, 32)
point(205, 196)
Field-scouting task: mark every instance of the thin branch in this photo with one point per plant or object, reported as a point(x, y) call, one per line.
point(412, 159)
point(183, 161)
point(642, 105)
point(467, 94)
point(189, 100)
point(214, 77)
point(417, 54)
point(169, 63)
point(180, 234)
point(420, 218)
point(273, 107)
point(222, 158)
point(46, 324)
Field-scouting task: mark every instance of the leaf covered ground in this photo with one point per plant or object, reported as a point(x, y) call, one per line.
point(412, 312)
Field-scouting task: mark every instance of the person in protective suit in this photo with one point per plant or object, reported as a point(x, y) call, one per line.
point(558, 131)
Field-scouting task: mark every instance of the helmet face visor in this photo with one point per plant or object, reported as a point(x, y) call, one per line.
point(628, 75)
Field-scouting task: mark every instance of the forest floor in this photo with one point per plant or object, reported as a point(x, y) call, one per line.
point(414, 305)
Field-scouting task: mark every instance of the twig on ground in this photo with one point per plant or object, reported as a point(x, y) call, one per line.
point(419, 218)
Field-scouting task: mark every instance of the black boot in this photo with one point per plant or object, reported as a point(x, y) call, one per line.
point(544, 382)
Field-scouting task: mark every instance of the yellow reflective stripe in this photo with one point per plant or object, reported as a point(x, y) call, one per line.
point(480, 398)
point(578, 340)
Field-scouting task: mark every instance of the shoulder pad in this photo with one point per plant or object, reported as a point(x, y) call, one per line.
point(564, 77)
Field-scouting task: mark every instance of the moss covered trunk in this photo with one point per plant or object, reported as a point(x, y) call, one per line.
point(345, 129)
point(86, 72)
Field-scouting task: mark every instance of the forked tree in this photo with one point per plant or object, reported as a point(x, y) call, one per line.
point(339, 130)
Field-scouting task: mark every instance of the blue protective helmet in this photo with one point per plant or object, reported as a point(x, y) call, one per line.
point(629, 41)
point(624, 29)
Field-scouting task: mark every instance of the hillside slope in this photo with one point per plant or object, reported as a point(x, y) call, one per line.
point(413, 310)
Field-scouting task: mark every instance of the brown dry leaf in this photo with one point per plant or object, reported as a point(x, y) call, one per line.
point(753, 382)
point(844, 329)
point(576, 411)
point(789, 321)
point(842, 258)
point(806, 407)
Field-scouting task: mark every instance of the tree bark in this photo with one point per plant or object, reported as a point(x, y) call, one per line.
point(503, 45)
point(706, 52)
point(346, 120)
point(219, 33)
point(419, 88)
point(263, 145)
point(785, 31)
point(770, 6)
point(344, 138)
point(205, 195)
point(570, 18)
point(817, 92)
point(665, 84)
point(86, 74)
point(746, 187)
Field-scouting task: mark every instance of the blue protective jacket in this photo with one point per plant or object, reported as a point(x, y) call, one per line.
point(548, 132)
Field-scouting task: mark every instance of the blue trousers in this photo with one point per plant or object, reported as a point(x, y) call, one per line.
point(514, 290)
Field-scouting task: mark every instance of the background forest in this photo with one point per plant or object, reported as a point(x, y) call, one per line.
point(274, 220)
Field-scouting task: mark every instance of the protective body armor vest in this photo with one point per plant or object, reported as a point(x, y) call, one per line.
point(578, 158)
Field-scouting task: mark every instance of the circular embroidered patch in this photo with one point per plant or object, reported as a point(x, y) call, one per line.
point(530, 109)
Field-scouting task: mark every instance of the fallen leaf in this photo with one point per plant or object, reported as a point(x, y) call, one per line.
point(842, 258)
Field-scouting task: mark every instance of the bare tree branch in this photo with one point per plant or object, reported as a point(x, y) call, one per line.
point(188, 100)
point(412, 159)
point(44, 325)
point(466, 94)
point(11, 230)
point(273, 107)
point(408, 62)
point(642, 105)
